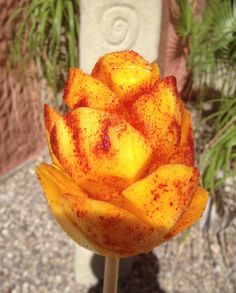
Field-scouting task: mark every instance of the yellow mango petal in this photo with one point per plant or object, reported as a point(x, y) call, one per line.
point(126, 73)
point(102, 189)
point(50, 118)
point(94, 224)
point(185, 153)
point(114, 229)
point(99, 148)
point(54, 184)
point(61, 179)
point(82, 90)
point(155, 72)
point(192, 214)
point(162, 197)
point(158, 115)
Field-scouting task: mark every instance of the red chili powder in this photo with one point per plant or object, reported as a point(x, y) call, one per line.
point(175, 130)
point(47, 120)
point(54, 143)
point(104, 144)
point(69, 82)
point(83, 102)
point(73, 124)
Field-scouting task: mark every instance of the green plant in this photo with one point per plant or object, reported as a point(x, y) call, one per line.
point(46, 31)
point(210, 40)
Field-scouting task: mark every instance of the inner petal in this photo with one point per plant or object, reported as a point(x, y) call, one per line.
point(100, 151)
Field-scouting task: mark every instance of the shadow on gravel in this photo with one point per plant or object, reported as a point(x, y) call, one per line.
point(142, 276)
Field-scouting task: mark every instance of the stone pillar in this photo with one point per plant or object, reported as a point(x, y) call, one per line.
point(113, 25)
point(108, 26)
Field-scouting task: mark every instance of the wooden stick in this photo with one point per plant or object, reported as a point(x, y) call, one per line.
point(111, 275)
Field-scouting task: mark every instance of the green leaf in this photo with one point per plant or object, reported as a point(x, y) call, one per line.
point(57, 22)
point(48, 35)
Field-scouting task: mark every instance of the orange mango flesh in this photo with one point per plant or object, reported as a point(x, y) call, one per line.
point(50, 118)
point(82, 90)
point(185, 152)
point(162, 197)
point(55, 183)
point(155, 73)
point(99, 225)
point(101, 152)
point(127, 74)
point(123, 179)
point(192, 214)
point(158, 116)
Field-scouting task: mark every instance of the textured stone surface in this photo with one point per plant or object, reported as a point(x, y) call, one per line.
point(113, 25)
point(83, 271)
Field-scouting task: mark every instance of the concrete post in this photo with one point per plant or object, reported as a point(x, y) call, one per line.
point(113, 25)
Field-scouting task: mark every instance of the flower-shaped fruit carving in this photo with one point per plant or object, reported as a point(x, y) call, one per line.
point(123, 179)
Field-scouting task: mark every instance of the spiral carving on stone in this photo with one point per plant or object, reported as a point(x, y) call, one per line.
point(119, 26)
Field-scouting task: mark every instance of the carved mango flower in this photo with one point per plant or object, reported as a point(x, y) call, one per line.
point(123, 179)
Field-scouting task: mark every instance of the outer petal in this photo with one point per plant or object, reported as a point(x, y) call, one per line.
point(162, 197)
point(55, 184)
point(50, 118)
point(192, 214)
point(94, 224)
point(126, 73)
point(155, 73)
point(158, 115)
point(82, 90)
point(185, 153)
point(98, 149)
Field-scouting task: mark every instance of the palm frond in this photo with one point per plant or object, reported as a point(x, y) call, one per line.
point(211, 62)
point(46, 32)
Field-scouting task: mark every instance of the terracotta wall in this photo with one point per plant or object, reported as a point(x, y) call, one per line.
point(21, 135)
point(172, 54)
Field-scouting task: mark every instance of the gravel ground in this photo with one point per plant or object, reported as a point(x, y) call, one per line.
point(36, 255)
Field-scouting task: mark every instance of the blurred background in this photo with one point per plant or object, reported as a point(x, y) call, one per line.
point(39, 41)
